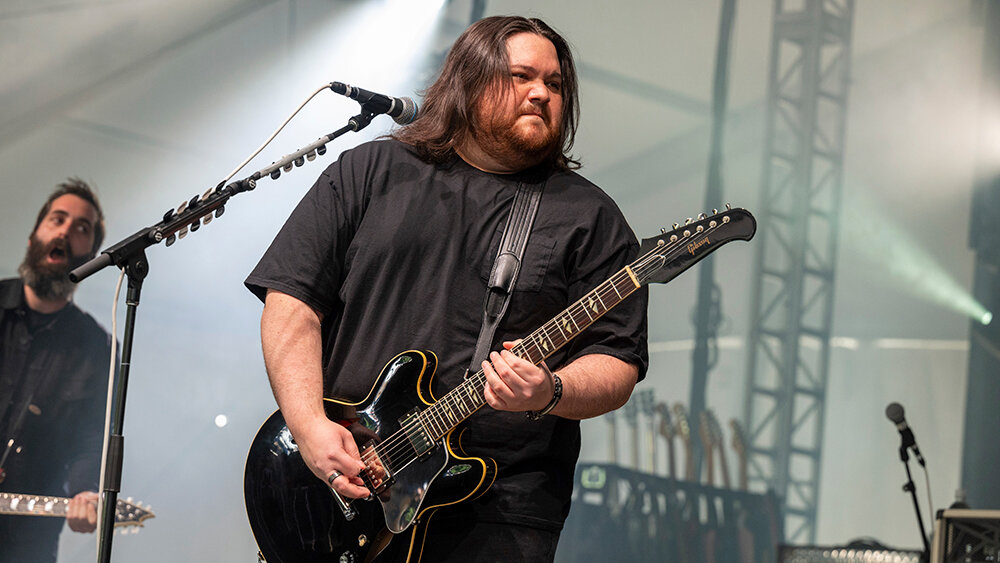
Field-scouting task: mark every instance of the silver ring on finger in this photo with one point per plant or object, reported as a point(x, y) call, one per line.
point(333, 476)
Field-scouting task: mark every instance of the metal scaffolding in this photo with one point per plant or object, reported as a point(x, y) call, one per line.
point(793, 291)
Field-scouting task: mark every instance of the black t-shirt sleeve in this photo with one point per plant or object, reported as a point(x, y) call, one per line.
point(307, 259)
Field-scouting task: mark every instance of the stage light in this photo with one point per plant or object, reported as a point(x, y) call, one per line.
point(895, 253)
point(221, 420)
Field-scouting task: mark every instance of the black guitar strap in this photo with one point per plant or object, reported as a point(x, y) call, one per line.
point(507, 265)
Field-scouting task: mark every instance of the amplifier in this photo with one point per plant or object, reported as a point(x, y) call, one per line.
point(966, 536)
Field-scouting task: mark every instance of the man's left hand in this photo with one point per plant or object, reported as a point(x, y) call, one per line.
point(516, 384)
point(82, 512)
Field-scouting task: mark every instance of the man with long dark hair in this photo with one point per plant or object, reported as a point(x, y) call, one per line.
point(53, 368)
point(392, 249)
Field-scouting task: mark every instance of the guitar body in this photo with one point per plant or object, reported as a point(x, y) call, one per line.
point(293, 514)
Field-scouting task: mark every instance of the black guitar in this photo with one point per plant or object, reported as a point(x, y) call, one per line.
point(411, 441)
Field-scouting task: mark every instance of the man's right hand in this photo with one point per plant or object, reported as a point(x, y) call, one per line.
point(327, 447)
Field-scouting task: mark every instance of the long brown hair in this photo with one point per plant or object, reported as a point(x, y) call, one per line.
point(477, 64)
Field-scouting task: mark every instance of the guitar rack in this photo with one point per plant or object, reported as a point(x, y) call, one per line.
point(620, 514)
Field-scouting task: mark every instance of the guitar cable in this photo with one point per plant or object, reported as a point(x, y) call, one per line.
point(107, 408)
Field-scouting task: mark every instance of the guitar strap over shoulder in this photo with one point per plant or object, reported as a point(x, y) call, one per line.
point(507, 265)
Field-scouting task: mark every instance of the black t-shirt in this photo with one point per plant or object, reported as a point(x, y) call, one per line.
point(396, 253)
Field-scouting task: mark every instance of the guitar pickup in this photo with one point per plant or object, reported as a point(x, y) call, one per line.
point(415, 433)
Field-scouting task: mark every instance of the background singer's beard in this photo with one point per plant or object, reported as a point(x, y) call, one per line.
point(49, 281)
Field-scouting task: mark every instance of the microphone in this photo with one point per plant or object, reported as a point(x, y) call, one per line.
point(401, 110)
point(894, 412)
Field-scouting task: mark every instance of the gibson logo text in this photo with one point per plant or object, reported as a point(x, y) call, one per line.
point(692, 246)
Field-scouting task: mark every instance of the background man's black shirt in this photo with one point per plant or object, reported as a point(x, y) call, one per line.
point(61, 360)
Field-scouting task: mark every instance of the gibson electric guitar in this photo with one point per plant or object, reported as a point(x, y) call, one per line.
point(127, 513)
point(410, 440)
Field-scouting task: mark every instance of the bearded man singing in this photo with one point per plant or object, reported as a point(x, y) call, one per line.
point(392, 250)
point(53, 372)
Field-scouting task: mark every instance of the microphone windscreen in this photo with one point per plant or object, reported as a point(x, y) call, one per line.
point(894, 412)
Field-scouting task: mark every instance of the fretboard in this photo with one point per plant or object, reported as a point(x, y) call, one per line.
point(29, 504)
point(467, 398)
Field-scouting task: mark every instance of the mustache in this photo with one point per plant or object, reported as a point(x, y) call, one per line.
point(533, 110)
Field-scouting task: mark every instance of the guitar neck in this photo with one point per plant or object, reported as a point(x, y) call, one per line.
point(462, 401)
point(33, 504)
point(127, 513)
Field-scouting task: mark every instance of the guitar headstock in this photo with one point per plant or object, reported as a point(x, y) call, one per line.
point(664, 257)
point(174, 227)
point(131, 514)
point(739, 441)
point(666, 427)
point(709, 439)
point(740, 446)
point(714, 428)
point(683, 428)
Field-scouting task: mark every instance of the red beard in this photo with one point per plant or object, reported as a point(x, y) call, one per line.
point(516, 145)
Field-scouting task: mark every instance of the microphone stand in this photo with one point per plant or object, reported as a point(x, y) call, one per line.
point(910, 488)
point(129, 254)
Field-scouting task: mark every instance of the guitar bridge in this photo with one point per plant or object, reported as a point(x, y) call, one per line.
point(377, 476)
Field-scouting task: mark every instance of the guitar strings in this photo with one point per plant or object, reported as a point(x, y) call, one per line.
point(642, 268)
point(396, 442)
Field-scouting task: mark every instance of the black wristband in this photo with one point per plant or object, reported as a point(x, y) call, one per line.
point(557, 390)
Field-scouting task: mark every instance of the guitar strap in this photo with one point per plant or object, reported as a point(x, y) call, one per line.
point(507, 265)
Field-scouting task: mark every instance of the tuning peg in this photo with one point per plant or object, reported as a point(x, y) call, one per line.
point(276, 173)
point(195, 226)
point(311, 156)
point(663, 230)
point(676, 226)
point(715, 211)
point(729, 207)
point(171, 240)
point(299, 161)
point(206, 219)
point(183, 232)
point(287, 167)
point(702, 216)
point(688, 221)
